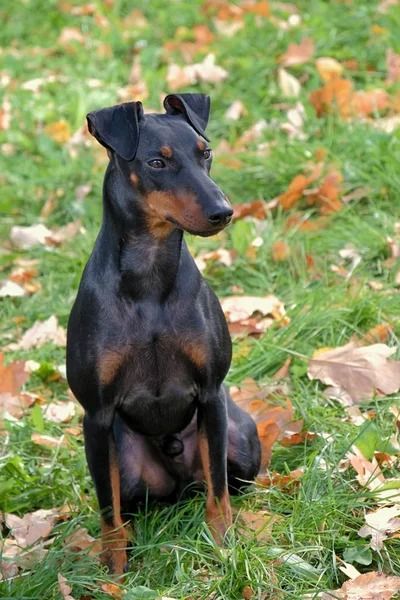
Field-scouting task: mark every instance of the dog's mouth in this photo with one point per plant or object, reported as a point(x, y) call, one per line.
point(202, 233)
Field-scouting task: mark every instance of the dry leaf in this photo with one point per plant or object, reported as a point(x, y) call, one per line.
point(298, 54)
point(360, 371)
point(82, 191)
point(113, 590)
point(5, 114)
point(64, 588)
point(58, 131)
point(68, 35)
point(236, 110)
point(59, 412)
point(369, 473)
point(356, 194)
point(339, 94)
point(225, 257)
point(207, 70)
point(379, 333)
point(328, 68)
point(327, 194)
point(40, 333)
point(80, 540)
point(238, 308)
point(369, 586)
point(281, 481)
point(280, 251)
point(252, 135)
point(366, 103)
point(259, 524)
point(27, 237)
point(11, 289)
point(48, 441)
point(289, 85)
point(32, 526)
point(296, 189)
point(256, 209)
point(393, 66)
point(380, 524)
point(12, 377)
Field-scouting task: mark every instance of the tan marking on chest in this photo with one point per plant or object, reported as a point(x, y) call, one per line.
point(109, 364)
point(194, 350)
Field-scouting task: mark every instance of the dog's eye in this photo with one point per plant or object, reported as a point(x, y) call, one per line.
point(206, 154)
point(156, 164)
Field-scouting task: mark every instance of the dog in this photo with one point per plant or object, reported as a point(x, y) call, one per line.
point(148, 344)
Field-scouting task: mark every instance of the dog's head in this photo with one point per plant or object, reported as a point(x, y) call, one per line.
point(167, 159)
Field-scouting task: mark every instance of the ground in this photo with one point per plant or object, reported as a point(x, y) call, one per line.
point(329, 298)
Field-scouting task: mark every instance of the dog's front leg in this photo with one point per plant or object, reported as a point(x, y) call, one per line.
point(102, 459)
point(213, 444)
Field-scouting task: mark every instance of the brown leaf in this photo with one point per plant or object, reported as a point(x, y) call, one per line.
point(393, 66)
point(328, 68)
point(380, 524)
point(48, 441)
point(369, 473)
point(80, 540)
point(41, 333)
point(296, 189)
point(335, 94)
point(225, 257)
point(281, 481)
point(27, 237)
point(298, 54)
point(207, 70)
point(69, 36)
point(59, 412)
point(113, 590)
point(366, 103)
point(236, 110)
point(356, 194)
point(252, 134)
point(237, 308)
point(5, 114)
point(280, 251)
point(360, 371)
point(283, 371)
point(327, 194)
point(369, 586)
point(58, 131)
point(247, 592)
point(379, 333)
point(12, 377)
point(32, 526)
point(259, 524)
point(256, 209)
point(64, 588)
point(64, 234)
point(260, 8)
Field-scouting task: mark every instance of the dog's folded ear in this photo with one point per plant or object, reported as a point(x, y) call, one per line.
point(117, 128)
point(194, 107)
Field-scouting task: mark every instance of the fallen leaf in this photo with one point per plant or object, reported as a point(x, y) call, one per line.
point(379, 333)
point(298, 54)
point(295, 122)
point(40, 333)
point(369, 473)
point(135, 20)
point(10, 289)
point(259, 524)
point(283, 371)
point(113, 590)
point(335, 94)
point(48, 441)
point(296, 189)
point(59, 412)
point(260, 8)
point(32, 526)
point(380, 524)
point(360, 371)
point(256, 209)
point(247, 592)
point(236, 110)
point(280, 251)
point(82, 191)
point(80, 540)
point(357, 194)
point(280, 481)
point(328, 68)
point(64, 234)
point(252, 134)
point(289, 85)
point(5, 114)
point(13, 376)
point(64, 588)
point(207, 71)
point(369, 586)
point(392, 66)
point(366, 103)
point(69, 35)
point(58, 131)
point(27, 237)
point(225, 257)
point(385, 5)
point(237, 308)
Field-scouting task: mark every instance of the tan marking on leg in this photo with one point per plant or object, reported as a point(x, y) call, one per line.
point(134, 178)
point(114, 538)
point(109, 365)
point(166, 151)
point(201, 145)
point(218, 510)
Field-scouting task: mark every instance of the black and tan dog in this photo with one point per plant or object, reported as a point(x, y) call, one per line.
point(148, 344)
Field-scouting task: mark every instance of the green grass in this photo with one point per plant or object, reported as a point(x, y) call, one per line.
point(317, 521)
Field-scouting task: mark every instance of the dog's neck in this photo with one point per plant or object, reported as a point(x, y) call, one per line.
point(148, 265)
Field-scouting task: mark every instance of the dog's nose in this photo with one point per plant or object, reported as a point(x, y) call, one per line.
point(220, 217)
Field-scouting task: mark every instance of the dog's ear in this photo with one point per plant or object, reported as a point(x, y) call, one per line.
point(117, 128)
point(194, 107)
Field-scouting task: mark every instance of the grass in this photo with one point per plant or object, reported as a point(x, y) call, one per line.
point(317, 521)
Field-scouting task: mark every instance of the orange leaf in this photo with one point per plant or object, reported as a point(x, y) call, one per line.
point(257, 8)
point(298, 54)
point(337, 93)
point(378, 334)
point(12, 377)
point(280, 251)
point(365, 103)
point(256, 209)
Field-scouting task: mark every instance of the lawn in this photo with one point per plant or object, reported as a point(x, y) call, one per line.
point(328, 249)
